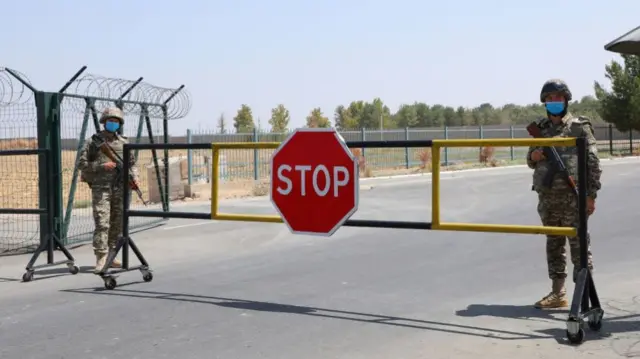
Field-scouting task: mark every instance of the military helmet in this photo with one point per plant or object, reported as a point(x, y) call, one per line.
point(112, 112)
point(555, 85)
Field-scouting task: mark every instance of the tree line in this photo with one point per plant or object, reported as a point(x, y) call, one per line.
point(619, 106)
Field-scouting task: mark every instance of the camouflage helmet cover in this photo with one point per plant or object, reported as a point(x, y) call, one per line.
point(112, 112)
point(554, 86)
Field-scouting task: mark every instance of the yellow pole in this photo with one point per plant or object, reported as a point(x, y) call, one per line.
point(435, 185)
point(214, 180)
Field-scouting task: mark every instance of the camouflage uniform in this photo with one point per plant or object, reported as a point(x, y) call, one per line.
point(557, 204)
point(106, 187)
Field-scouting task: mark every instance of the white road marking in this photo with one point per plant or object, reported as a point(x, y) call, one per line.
point(189, 225)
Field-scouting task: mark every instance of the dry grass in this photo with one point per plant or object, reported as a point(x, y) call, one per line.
point(486, 156)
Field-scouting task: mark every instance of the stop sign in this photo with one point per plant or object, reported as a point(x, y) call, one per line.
point(314, 181)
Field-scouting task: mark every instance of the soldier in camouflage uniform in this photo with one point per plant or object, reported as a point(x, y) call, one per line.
point(557, 205)
point(99, 172)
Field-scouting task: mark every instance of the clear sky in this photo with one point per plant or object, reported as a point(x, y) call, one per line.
point(318, 53)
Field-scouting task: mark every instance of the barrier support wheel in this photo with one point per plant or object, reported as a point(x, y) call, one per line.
point(575, 333)
point(576, 338)
point(110, 283)
point(147, 276)
point(74, 269)
point(27, 276)
point(595, 321)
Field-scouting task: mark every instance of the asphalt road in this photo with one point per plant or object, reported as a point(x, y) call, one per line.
point(244, 290)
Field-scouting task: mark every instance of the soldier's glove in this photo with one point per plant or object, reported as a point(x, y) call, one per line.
point(109, 166)
point(591, 205)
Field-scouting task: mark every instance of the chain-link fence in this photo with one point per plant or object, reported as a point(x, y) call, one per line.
point(254, 164)
point(18, 174)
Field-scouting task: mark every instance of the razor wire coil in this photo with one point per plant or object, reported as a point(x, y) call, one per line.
point(12, 91)
point(106, 91)
point(143, 93)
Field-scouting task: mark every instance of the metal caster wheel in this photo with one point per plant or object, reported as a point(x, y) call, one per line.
point(147, 276)
point(27, 276)
point(110, 283)
point(595, 320)
point(73, 269)
point(576, 338)
point(595, 324)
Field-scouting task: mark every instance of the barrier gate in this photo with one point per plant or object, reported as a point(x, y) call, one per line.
point(585, 301)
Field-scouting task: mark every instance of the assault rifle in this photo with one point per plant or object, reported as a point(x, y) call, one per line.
point(551, 155)
point(113, 156)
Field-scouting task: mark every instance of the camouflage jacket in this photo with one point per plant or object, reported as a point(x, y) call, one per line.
point(570, 126)
point(92, 160)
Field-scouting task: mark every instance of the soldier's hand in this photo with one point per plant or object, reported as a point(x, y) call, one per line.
point(591, 205)
point(109, 166)
point(537, 155)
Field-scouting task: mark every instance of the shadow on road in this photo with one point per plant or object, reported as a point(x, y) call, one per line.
point(510, 311)
point(316, 312)
point(49, 273)
point(610, 325)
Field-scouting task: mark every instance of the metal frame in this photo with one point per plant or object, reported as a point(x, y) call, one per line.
point(48, 241)
point(585, 302)
point(125, 242)
point(49, 117)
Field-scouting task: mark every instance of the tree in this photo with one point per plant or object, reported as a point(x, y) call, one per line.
point(243, 122)
point(621, 105)
point(279, 120)
point(344, 119)
point(317, 119)
point(222, 125)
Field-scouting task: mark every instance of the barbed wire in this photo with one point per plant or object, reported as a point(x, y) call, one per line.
point(12, 91)
point(112, 88)
point(107, 92)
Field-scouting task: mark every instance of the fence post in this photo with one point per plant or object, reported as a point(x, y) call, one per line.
point(189, 160)
point(630, 142)
point(512, 134)
point(363, 137)
point(610, 140)
point(256, 158)
point(49, 137)
point(480, 136)
point(406, 149)
point(446, 149)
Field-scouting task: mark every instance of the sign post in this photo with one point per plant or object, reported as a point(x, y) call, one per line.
point(314, 181)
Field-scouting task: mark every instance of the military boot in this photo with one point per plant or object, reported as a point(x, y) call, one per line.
point(101, 260)
point(116, 262)
point(556, 299)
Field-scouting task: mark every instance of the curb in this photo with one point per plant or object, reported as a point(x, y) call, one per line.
point(488, 169)
point(443, 174)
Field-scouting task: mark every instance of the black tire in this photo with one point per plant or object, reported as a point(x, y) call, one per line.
point(74, 270)
point(576, 338)
point(27, 276)
point(110, 283)
point(595, 325)
point(147, 277)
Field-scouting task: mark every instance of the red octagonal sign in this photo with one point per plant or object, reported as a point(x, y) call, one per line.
point(314, 181)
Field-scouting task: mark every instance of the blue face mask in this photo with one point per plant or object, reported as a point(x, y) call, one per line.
point(112, 126)
point(555, 108)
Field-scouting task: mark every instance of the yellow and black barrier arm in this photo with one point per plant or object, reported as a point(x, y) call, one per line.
point(436, 224)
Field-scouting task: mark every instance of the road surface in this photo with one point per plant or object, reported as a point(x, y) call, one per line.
point(243, 290)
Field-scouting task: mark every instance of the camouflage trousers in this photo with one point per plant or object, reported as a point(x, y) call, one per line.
point(108, 206)
point(560, 209)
